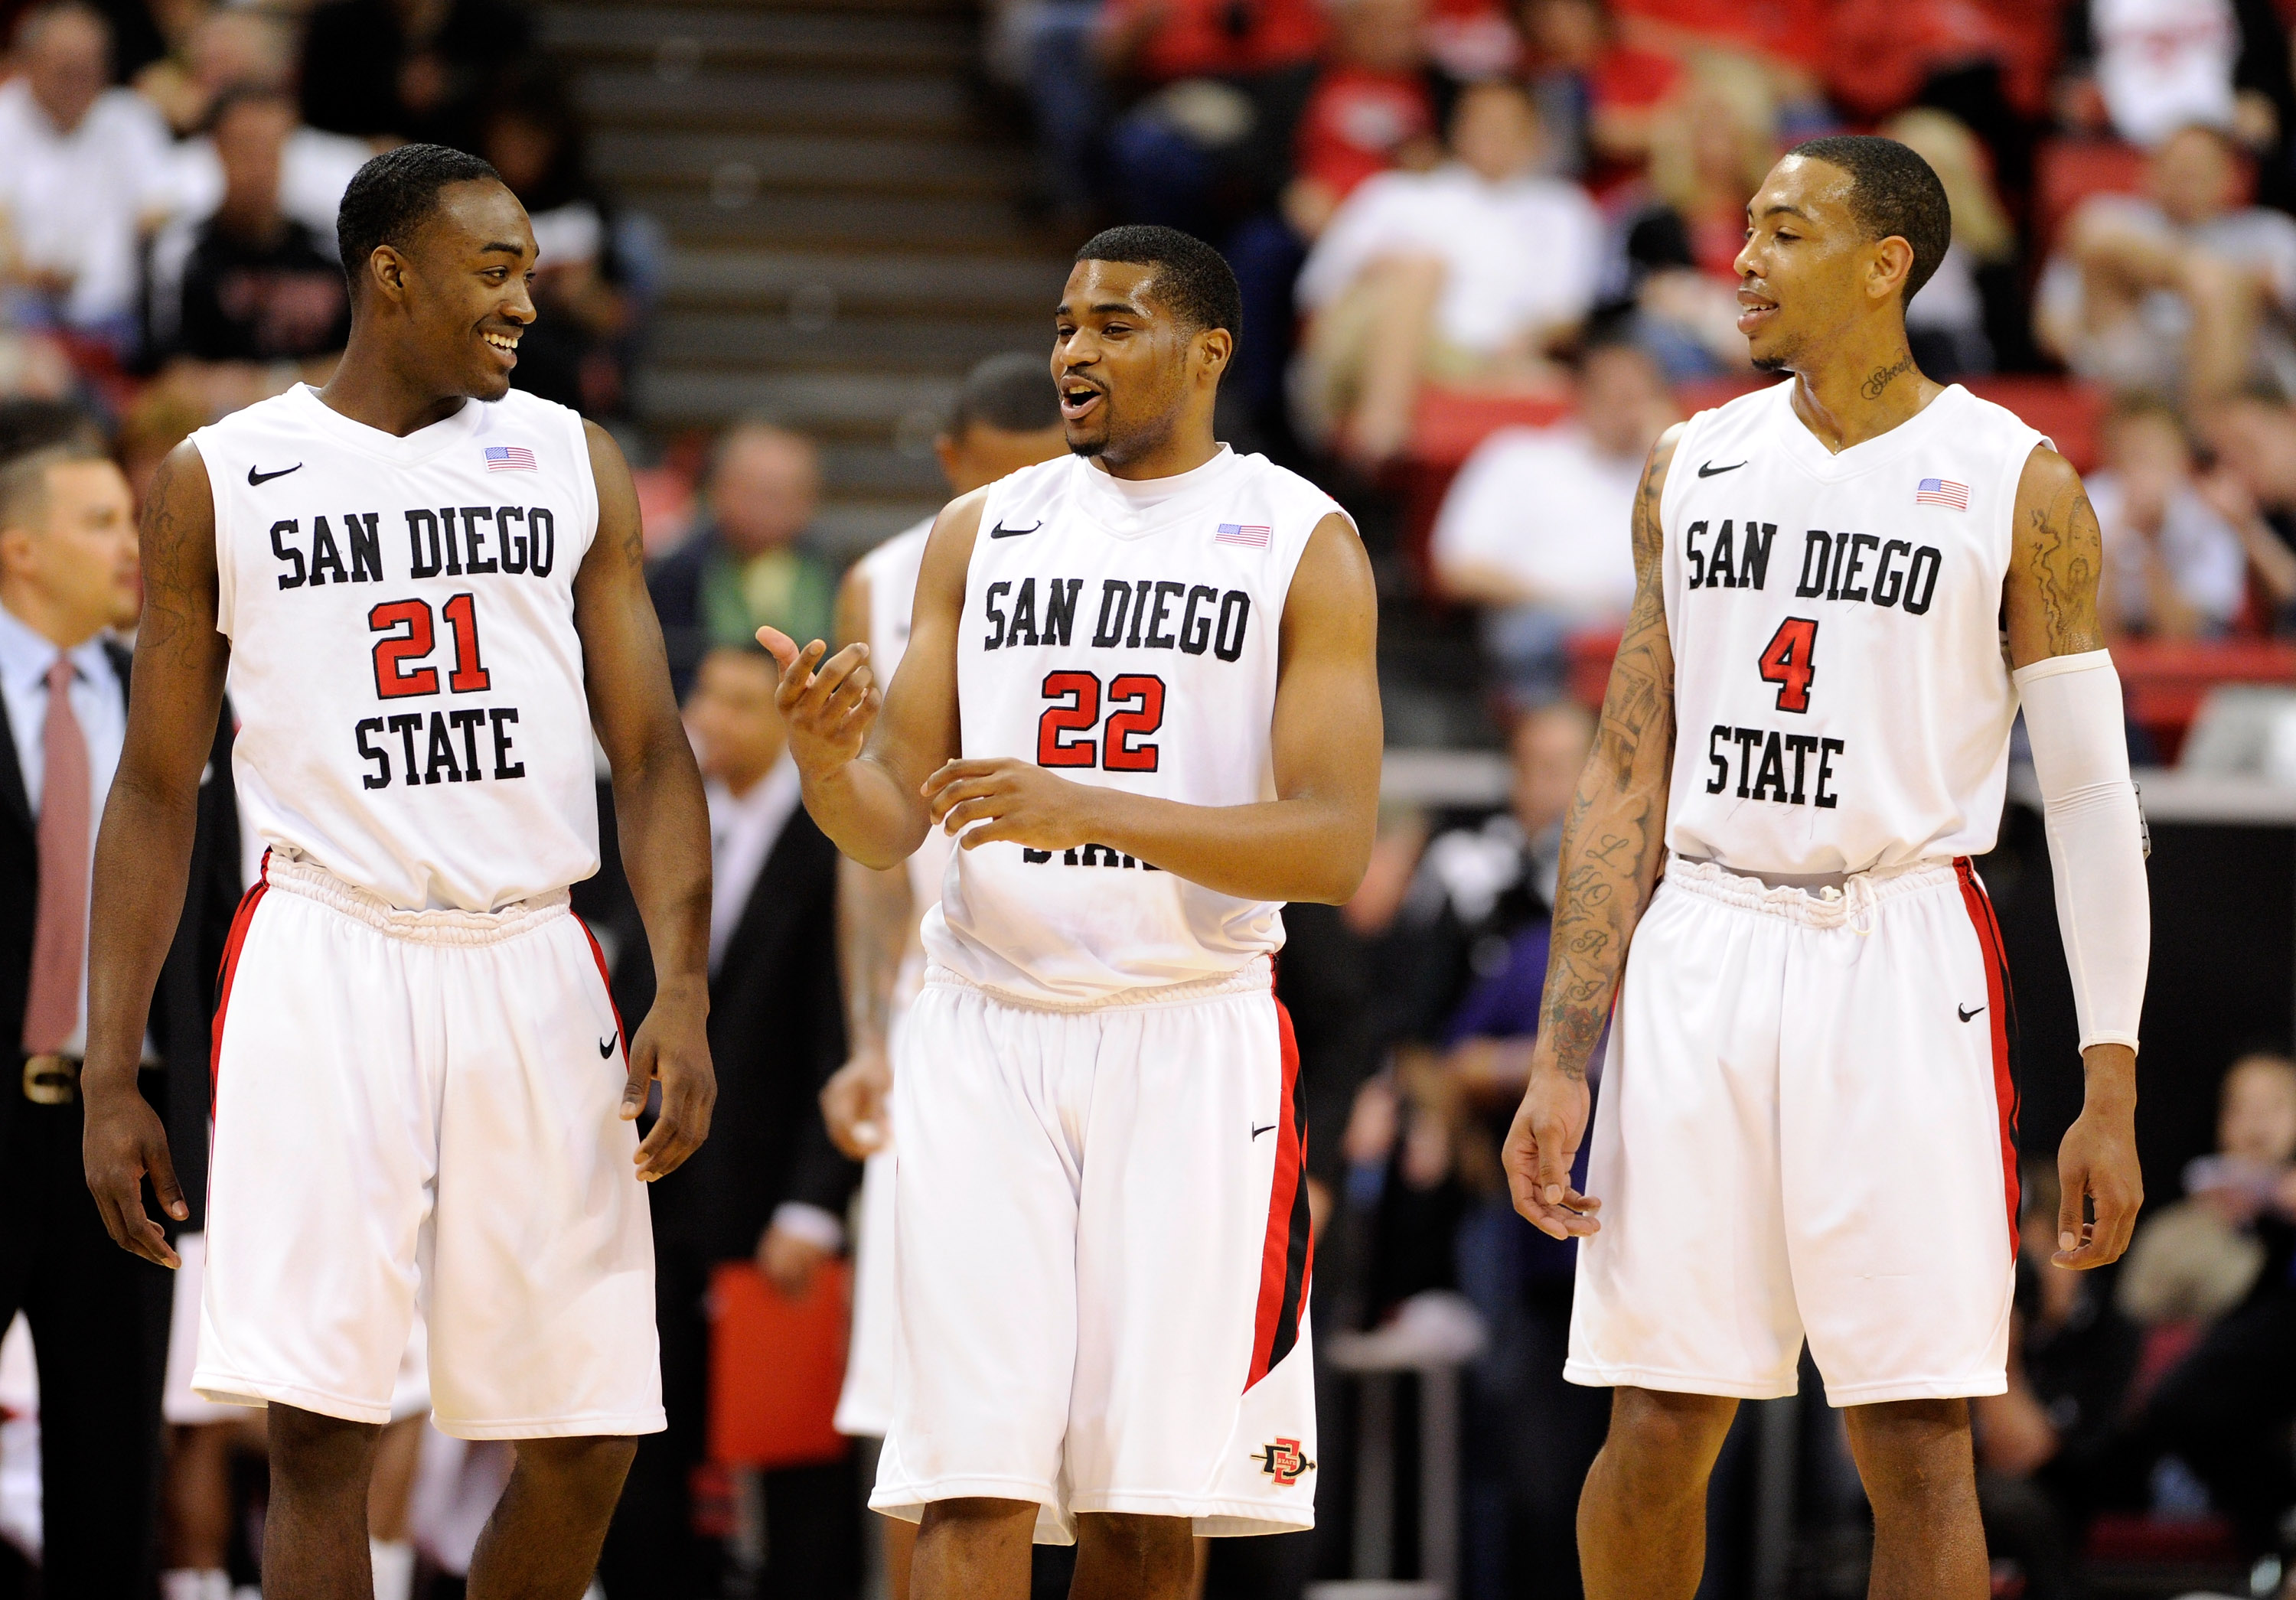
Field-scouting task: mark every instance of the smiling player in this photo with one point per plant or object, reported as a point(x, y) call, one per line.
point(1139, 685)
point(427, 590)
point(1808, 1119)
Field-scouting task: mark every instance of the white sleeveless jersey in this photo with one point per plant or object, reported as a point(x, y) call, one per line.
point(1842, 699)
point(403, 662)
point(1135, 649)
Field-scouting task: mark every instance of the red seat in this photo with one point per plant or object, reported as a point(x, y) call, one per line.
point(2134, 1537)
point(1450, 422)
point(2068, 171)
point(2163, 681)
point(2068, 411)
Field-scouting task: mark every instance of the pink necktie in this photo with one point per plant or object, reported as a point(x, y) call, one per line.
point(60, 937)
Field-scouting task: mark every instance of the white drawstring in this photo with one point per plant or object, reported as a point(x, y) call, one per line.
point(1858, 890)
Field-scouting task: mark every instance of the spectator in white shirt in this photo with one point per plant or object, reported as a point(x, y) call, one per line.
point(85, 165)
point(1471, 274)
point(2161, 64)
point(2179, 293)
point(2174, 567)
point(1536, 528)
point(237, 51)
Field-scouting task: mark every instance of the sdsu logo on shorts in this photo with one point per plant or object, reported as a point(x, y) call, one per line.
point(1283, 1461)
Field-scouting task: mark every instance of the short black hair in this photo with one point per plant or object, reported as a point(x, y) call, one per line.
point(395, 194)
point(1892, 191)
point(1193, 281)
point(1013, 393)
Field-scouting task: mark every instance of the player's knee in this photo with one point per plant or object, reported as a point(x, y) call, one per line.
point(976, 1512)
point(589, 1468)
point(1662, 1437)
point(1148, 1541)
point(1912, 1453)
point(315, 1454)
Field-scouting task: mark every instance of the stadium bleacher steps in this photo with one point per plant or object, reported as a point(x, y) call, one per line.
point(845, 222)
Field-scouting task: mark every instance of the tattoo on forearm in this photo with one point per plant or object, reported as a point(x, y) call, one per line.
point(1882, 377)
point(1612, 837)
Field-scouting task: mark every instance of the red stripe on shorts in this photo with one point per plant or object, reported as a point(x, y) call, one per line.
point(229, 968)
point(606, 978)
point(2000, 1003)
point(1286, 1256)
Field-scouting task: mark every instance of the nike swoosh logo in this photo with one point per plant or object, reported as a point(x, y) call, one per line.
point(1258, 1131)
point(1002, 532)
point(256, 479)
point(1710, 470)
point(606, 1044)
point(1965, 1016)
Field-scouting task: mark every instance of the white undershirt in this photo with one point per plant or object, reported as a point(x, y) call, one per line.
point(743, 829)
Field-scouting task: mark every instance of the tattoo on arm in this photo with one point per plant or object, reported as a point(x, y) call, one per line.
point(166, 579)
point(1614, 835)
point(2063, 556)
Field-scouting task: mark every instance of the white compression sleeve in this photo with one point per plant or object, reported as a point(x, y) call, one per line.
point(2097, 838)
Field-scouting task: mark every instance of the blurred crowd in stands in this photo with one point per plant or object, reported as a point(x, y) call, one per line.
point(1487, 258)
point(172, 170)
point(1441, 208)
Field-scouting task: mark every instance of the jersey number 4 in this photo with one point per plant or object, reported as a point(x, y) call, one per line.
point(1786, 661)
point(1136, 709)
point(393, 679)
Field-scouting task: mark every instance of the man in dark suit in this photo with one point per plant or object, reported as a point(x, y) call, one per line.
point(99, 1317)
point(768, 1186)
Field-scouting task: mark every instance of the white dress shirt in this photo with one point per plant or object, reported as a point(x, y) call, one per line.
point(96, 701)
point(76, 200)
point(743, 829)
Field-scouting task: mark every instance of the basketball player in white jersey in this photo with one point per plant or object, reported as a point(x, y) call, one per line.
point(426, 591)
point(1806, 1125)
point(1006, 417)
point(1139, 689)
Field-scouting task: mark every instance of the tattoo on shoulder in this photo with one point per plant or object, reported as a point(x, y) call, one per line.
point(1648, 535)
point(2064, 556)
point(166, 577)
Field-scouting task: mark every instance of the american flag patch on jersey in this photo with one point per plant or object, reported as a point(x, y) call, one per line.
point(1242, 533)
point(509, 458)
point(1941, 491)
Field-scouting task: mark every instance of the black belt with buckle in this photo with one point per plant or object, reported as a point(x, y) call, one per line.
point(51, 1080)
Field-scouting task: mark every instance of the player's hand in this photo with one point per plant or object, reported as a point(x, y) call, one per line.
point(789, 1261)
point(853, 1102)
point(672, 1045)
point(1015, 801)
point(122, 1143)
point(1540, 1147)
point(828, 705)
point(2097, 1164)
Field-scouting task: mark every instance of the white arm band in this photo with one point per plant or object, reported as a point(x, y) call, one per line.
point(2097, 838)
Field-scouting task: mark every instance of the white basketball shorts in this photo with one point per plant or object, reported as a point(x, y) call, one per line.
point(1102, 1246)
point(422, 1107)
point(1806, 1126)
point(410, 1386)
